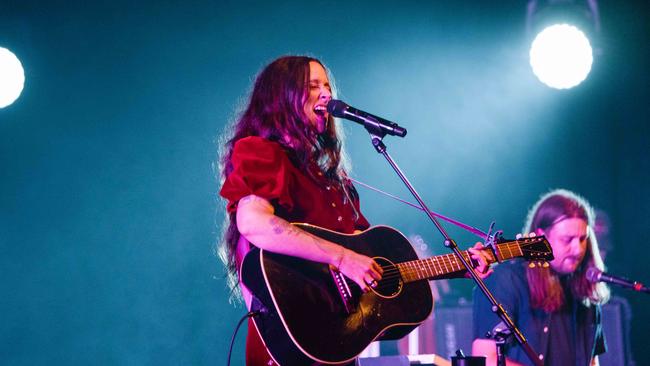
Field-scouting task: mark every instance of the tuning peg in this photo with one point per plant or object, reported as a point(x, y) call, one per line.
point(545, 265)
point(531, 265)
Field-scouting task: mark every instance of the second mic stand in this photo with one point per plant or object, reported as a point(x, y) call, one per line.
point(501, 335)
point(376, 135)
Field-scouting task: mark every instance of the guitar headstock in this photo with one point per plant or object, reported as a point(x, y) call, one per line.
point(537, 250)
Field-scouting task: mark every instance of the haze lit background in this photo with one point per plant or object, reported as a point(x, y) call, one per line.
point(109, 209)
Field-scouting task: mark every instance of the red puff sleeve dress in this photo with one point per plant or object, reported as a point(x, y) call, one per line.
point(264, 168)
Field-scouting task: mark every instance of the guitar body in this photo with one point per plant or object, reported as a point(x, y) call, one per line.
point(304, 319)
point(309, 314)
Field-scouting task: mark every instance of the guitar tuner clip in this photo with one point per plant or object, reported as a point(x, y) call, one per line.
point(493, 238)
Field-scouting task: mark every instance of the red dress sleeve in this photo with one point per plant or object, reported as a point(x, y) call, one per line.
point(260, 167)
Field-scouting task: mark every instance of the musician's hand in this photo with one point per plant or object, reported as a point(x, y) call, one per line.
point(359, 268)
point(479, 255)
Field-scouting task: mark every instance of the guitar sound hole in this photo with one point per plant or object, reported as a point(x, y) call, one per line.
point(391, 282)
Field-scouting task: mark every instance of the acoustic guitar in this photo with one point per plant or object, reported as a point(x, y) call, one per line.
point(310, 314)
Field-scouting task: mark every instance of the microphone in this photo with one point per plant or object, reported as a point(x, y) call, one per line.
point(371, 122)
point(594, 275)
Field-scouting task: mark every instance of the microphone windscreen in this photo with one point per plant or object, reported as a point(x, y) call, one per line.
point(336, 108)
point(593, 275)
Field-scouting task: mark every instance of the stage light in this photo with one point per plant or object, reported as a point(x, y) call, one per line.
point(561, 56)
point(12, 77)
point(564, 36)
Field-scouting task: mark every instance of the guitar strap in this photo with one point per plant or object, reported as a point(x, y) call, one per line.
point(468, 228)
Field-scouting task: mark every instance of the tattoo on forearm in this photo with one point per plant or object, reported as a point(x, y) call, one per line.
point(280, 226)
point(276, 225)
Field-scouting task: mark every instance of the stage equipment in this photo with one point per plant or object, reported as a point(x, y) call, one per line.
point(12, 77)
point(594, 275)
point(341, 110)
point(561, 54)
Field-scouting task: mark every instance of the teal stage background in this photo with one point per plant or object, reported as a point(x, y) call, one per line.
point(109, 212)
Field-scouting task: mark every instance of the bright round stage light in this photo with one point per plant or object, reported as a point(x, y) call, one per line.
point(12, 77)
point(561, 56)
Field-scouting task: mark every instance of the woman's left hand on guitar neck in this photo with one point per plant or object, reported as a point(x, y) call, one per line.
point(478, 254)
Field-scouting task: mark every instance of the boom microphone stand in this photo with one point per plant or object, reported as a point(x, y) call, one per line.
point(378, 131)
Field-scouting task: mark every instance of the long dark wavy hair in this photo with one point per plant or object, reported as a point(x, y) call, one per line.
point(275, 112)
point(546, 290)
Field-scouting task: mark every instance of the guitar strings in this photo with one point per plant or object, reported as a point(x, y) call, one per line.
point(436, 265)
point(439, 265)
point(428, 266)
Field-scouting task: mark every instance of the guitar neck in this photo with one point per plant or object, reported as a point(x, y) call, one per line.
point(441, 265)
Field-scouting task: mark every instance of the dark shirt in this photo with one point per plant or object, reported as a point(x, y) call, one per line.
point(570, 336)
point(561, 343)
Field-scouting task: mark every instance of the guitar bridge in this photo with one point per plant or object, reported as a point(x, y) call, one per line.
point(343, 289)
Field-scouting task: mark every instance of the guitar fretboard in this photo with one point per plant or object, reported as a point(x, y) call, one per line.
point(441, 265)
